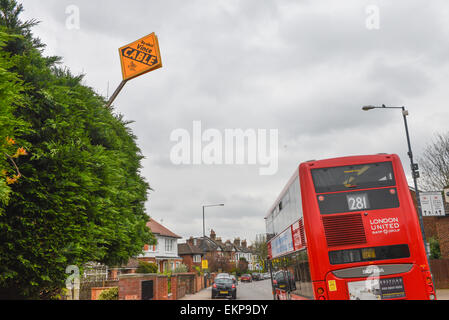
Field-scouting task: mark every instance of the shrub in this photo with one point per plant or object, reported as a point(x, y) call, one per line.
point(198, 270)
point(435, 252)
point(147, 267)
point(109, 294)
point(182, 268)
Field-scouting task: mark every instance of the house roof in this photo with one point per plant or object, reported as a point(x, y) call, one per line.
point(207, 244)
point(187, 248)
point(157, 228)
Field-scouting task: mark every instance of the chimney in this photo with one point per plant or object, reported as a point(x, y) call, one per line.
point(212, 234)
point(190, 241)
point(237, 242)
point(244, 243)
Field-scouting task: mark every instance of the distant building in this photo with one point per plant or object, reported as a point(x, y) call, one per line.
point(243, 252)
point(190, 253)
point(227, 254)
point(165, 252)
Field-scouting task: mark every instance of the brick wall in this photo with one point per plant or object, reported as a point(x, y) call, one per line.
point(86, 287)
point(430, 226)
point(443, 236)
point(440, 273)
point(199, 283)
point(130, 286)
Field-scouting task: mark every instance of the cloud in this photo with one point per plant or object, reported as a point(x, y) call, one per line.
point(303, 67)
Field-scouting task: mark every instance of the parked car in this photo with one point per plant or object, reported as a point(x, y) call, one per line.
point(266, 275)
point(224, 287)
point(234, 279)
point(220, 275)
point(256, 276)
point(246, 278)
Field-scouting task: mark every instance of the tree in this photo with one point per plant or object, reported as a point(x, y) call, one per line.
point(11, 88)
point(260, 248)
point(434, 164)
point(80, 197)
point(242, 266)
point(219, 263)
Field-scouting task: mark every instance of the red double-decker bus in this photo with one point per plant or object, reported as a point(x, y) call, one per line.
point(347, 228)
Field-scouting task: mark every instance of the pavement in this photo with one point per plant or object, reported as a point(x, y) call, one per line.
point(442, 294)
point(204, 294)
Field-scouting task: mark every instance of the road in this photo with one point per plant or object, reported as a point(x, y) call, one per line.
point(261, 290)
point(256, 290)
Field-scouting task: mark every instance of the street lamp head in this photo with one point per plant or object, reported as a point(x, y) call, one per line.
point(367, 108)
point(214, 205)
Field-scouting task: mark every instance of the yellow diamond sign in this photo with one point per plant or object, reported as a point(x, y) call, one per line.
point(140, 57)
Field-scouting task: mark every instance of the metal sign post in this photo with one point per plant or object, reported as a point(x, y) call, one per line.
point(116, 92)
point(446, 194)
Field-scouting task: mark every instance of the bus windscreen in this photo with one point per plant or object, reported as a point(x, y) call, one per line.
point(372, 175)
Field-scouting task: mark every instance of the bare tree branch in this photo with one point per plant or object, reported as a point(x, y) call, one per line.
point(435, 164)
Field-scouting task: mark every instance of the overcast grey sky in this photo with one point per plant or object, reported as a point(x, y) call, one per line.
point(304, 68)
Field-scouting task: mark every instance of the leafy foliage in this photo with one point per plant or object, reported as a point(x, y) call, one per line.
point(146, 267)
point(182, 268)
point(435, 252)
point(81, 196)
point(109, 294)
point(10, 98)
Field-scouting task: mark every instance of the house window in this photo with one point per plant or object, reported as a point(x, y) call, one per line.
point(197, 258)
point(169, 245)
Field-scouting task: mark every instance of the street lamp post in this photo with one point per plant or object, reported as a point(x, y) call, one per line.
point(205, 206)
point(204, 233)
point(414, 167)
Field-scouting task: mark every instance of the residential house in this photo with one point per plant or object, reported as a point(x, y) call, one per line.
point(165, 252)
point(190, 253)
point(243, 251)
point(225, 254)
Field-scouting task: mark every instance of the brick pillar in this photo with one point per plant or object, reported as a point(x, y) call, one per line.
point(174, 287)
point(129, 288)
point(161, 288)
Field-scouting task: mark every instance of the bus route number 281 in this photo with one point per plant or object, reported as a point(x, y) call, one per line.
point(358, 201)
